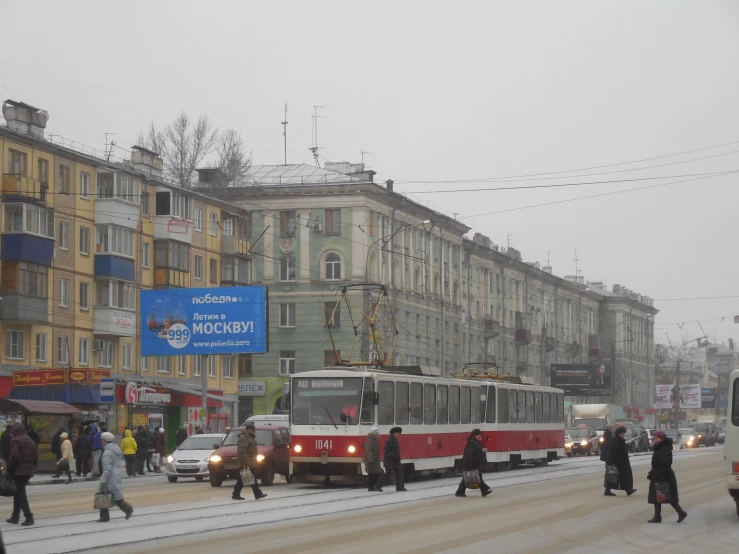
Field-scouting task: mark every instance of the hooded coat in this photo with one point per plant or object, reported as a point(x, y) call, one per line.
point(372, 454)
point(143, 437)
point(246, 451)
point(392, 452)
point(56, 443)
point(662, 470)
point(23, 453)
point(66, 452)
point(84, 446)
point(473, 457)
point(95, 440)
point(111, 478)
point(607, 440)
point(618, 456)
point(128, 444)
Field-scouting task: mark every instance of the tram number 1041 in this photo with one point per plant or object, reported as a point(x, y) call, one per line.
point(324, 444)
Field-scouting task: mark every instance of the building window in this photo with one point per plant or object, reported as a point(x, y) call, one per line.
point(43, 171)
point(198, 219)
point(287, 224)
point(332, 318)
point(63, 235)
point(287, 268)
point(197, 368)
point(212, 367)
point(333, 222)
point(287, 315)
point(32, 280)
point(84, 352)
point(213, 224)
point(145, 209)
point(244, 366)
point(228, 367)
point(17, 163)
point(62, 349)
point(116, 294)
point(28, 218)
point(287, 362)
point(65, 179)
point(15, 347)
point(84, 296)
point(198, 267)
point(105, 353)
point(41, 339)
point(85, 186)
point(85, 241)
point(174, 204)
point(64, 293)
point(181, 365)
point(144, 363)
point(229, 225)
point(213, 271)
point(172, 254)
point(236, 270)
point(333, 267)
point(112, 239)
point(164, 364)
point(145, 248)
point(126, 356)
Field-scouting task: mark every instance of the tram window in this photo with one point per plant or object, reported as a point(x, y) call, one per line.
point(513, 403)
point(545, 408)
point(416, 403)
point(561, 407)
point(367, 414)
point(503, 407)
point(483, 400)
point(385, 411)
point(429, 404)
point(401, 403)
point(530, 407)
point(453, 404)
point(553, 406)
point(538, 401)
point(475, 405)
point(490, 408)
point(466, 405)
point(442, 408)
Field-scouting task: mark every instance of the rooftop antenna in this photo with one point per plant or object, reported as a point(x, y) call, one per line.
point(456, 214)
point(108, 151)
point(363, 152)
point(314, 148)
point(549, 255)
point(576, 260)
point(508, 239)
point(284, 132)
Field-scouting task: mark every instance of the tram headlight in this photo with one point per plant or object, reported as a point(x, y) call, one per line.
point(215, 458)
point(298, 448)
point(260, 457)
point(352, 449)
point(583, 443)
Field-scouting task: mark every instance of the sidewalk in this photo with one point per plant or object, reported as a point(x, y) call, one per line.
point(48, 478)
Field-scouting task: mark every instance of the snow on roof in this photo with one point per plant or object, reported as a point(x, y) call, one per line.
point(296, 174)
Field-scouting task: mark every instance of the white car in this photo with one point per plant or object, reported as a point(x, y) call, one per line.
point(191, 457)
point(687, 438)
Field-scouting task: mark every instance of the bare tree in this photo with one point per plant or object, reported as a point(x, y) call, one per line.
point(232, 160)
point(182, 144)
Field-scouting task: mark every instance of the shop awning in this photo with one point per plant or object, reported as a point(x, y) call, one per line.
point(37, 407)
point(69, 394)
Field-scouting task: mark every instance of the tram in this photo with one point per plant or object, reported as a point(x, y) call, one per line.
point(334, 409)
point(731, 442)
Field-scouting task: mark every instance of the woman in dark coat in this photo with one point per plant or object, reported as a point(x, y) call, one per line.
point(472, 460)
point(662, 473)
point(83, 453)
point(143, 439)
point(607, 440)
point(618, 456)
point(372, 458)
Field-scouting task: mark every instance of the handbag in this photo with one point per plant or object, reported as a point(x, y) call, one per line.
point(472, 479)
point(247, 477)
point(63, 465)
point(155, 459)
point(663, 492)
point(103, 501)
point(612, 477)
point(7, 485)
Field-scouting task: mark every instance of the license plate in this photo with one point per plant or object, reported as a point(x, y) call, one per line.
point(187, 466)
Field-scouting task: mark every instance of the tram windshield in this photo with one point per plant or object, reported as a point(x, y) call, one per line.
point(326, 401)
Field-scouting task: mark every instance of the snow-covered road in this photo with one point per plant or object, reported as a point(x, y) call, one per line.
point(533, 509)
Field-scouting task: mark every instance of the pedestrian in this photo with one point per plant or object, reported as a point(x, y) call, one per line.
point(662, 472)
point(111, 480)
point(56, 444)
point(84, 452)
point(227, 430)
point(247, 451)
point(97, 448)
point(66, 462)
point(142, 448)
point(392, 462)
point(152, 437)
point(180, 436)
point(199, 431)
point(21, 467)
point(5, 442)
point(618, 456)
point(473, 459)
point(128, 447)
point(161, 449)
point(607, 439)
point(372, 458)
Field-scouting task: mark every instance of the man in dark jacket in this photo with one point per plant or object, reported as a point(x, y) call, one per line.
point(607, 439)
point(661, 473)
point(5, 442)
point(97, 448)
point(618, 456)
point(143, 439)
point(472, 460)
point(21, 466)
point(56, 444)
point(33, 435)
point(83, 452)
point(392, 462)
point(247, 450)
point(180, 436)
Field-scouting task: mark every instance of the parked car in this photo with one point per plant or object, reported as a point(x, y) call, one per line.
point(584, 440)
point(190, 459)
point(648, 438)
point(687, 438)
point(568, 445)
point(635, 441)
point(706, 432)
point(721, 434)
point(273, 442)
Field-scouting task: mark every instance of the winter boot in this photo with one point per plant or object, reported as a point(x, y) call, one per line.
point(126, 508)
point(681, 514)
point(14, 520)
point(104, 516)
point(29, 521)
point(608, 493)
point(657, 514)
point(486, 492)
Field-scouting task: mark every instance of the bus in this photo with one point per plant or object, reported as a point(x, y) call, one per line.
point(731, 442)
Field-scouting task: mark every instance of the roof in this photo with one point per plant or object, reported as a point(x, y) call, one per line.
point(37, 407)
point(296, 174)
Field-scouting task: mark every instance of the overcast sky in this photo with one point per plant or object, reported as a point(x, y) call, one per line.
point(442, 91)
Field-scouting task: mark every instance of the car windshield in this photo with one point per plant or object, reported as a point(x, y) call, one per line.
point(671, 433)
point(263, 436)
point(323, 401)
point(199, 443)
point(685, 432)
point(594, 422)
point(584, 432)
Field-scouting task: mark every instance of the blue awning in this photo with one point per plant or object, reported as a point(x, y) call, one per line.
point(70, 393)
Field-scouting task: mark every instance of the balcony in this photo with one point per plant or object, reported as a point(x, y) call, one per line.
point(28, 233)
point(574, 349)
point(173, 219)
point(492, 327)
point(114, 321)
point(110, 265)
point(594, 346)
point(235, 246)
point(24, 310)
point(24, 189)
point(523, 328)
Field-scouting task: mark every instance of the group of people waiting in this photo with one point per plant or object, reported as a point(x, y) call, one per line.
point(139, 450)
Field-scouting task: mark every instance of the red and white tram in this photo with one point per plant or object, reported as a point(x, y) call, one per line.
point(332, 411)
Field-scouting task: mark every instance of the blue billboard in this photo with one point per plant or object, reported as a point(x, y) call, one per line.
point(229, 320)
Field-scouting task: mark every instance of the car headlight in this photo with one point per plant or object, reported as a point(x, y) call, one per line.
point(170, 459)
point(583, 443)
point(351, 449)
point(260, 457)
point(601, 439)
point(215, 458)
point(298, 448)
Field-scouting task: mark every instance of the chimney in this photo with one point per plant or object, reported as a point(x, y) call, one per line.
point(617, 289)
point(581, 279)
point(731, 344)
point(146, 161)
point(571, 278)
point(547, 269)
point(389, 184)
point(25, 119)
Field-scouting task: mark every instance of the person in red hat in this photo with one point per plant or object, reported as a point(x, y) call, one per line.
point(662, 481)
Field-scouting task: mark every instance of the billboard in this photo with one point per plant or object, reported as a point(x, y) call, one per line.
point(582, 379)
point(229, 320)
point(690, 397)
point(708, 398)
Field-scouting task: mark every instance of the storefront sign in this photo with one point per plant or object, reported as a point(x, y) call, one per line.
point(86, 376)
point(39, 377)
point(252, 388)
point(136, 394)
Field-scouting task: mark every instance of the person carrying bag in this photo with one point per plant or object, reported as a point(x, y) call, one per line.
point(247, 451)
point(662, 480)
point(473, 460)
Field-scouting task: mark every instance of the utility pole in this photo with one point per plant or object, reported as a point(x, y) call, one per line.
point(284, 132)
